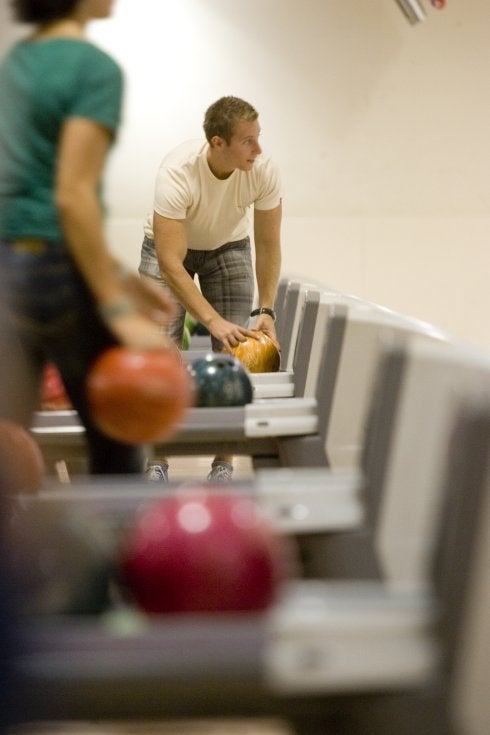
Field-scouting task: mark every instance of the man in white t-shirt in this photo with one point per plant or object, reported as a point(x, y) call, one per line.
point(200, 226)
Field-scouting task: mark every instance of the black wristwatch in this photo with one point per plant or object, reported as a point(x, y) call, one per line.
point(264, 310)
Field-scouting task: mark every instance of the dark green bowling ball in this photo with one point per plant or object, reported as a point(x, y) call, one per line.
point(220, 380)
point(62, 560)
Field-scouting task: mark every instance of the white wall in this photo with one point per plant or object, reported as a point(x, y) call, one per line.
point(380, 128)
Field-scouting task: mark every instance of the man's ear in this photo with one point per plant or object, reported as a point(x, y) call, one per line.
point(217, 141)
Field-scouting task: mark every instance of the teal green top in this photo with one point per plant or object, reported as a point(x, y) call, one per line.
point(42, 84)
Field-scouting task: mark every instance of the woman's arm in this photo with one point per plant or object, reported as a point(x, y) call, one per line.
point(82, 152)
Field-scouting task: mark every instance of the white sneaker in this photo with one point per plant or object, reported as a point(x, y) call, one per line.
point(221, 472)
point(157, 472)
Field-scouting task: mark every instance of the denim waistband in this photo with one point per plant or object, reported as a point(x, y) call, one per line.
point(33, 245)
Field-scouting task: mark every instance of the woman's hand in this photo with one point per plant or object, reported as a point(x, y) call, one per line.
point(138, 317)
point(148, 298)
point(136, 331)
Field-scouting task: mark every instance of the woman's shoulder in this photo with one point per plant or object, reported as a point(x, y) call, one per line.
point(89, 52)
point(64, 51)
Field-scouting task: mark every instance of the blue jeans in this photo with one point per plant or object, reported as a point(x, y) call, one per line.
point(48, 314)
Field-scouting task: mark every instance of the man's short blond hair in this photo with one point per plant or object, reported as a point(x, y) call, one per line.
point(222, 116)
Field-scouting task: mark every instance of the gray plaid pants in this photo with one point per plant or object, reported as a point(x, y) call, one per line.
point(225, 276)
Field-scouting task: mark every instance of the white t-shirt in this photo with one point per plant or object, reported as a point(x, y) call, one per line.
point(215, 211)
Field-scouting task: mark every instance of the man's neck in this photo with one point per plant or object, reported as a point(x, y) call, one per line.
point(216, 166)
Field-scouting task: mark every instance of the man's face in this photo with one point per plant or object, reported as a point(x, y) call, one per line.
point(244, 147)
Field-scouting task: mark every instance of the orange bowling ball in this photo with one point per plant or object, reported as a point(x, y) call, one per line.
point(138, 396)
point(22, 466)
point(258, 355)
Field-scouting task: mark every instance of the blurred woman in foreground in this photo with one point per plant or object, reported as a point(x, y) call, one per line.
point(66, 297)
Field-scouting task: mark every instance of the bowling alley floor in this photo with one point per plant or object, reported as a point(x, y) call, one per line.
point(197, 468)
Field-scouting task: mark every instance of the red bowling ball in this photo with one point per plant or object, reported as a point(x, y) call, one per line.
point(53, 392)
point(138, 396)
point(203, 551)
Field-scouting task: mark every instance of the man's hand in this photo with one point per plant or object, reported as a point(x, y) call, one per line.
point(228, 333)
point(265, 323)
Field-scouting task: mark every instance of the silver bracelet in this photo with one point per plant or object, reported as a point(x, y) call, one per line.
point(115, 309)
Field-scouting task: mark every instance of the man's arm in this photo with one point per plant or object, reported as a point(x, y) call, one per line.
point(171, 249)
point(267, 235)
